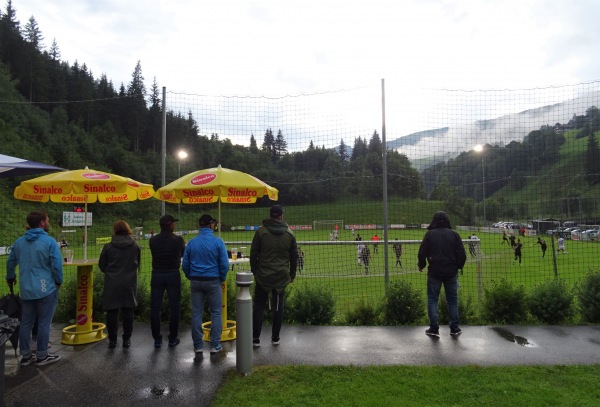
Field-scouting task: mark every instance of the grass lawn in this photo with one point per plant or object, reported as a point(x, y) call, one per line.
point(412, 386)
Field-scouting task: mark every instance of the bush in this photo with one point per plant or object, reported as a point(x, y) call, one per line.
point(311, 306)
point(466, 310)
point(143, 308)
point(403, 304)
point(67, 298)
point(363, 314)
point(551, 302)
point(65, 309)
point(588, 294)
point(504, 303)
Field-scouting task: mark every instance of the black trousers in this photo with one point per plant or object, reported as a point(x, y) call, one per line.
point(112, 323)
point(171, 283)
point(260, 301)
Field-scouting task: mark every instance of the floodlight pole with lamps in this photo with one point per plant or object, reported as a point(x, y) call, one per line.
point(181, 155)
point(479, 149)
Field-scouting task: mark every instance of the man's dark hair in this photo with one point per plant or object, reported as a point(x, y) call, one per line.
point(35, 218)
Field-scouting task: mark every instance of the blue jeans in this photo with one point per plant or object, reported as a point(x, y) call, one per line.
point(43, 309)
point(171, 283)
point(206, 291)
point(434, 286)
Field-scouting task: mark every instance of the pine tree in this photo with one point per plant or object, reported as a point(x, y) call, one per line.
point(375, 144)
point(280, 145)
point(10, 17)
point(268, 145)
point(155, 119)
point(343, 152)
point(137, 94)
point(54, 51)
point(32, 34)
point(253, 145)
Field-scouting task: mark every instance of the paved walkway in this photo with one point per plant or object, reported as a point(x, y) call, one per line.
point(93, 375)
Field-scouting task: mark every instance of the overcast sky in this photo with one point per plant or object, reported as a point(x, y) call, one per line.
point(275, 47)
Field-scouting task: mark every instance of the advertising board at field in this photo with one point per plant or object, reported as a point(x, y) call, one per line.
point(76, 219)
point(301, 227)
point(103, 240)
point(361, 227)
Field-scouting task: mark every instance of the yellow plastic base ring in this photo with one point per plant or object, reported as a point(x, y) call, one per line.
point(227, 334)
point(70, 335)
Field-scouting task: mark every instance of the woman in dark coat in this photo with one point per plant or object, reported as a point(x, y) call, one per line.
point(120, 261)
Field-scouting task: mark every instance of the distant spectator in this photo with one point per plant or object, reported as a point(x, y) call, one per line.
point(300, 260)
point(473, 245)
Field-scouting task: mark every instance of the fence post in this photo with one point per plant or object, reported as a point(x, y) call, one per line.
point(479, 279)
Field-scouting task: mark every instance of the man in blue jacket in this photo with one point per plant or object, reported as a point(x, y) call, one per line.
point(205, 264)
point(40, 270)
point(444, 253)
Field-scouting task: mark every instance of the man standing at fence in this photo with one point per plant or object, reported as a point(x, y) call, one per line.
point(273, 261)
point(444, 253)
point(40, 276)
point(167, 250)
point(205, 263)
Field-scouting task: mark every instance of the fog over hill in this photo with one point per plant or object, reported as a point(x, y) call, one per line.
point(428, 147)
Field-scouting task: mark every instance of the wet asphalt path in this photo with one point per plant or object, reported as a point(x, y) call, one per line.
point(93, 375)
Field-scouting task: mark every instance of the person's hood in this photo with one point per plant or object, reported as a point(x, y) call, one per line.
point(34, 234)
point(440, 220)
point(122, 241)
point(275, 226)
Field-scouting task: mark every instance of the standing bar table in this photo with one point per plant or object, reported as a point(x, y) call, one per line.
point(85, 330)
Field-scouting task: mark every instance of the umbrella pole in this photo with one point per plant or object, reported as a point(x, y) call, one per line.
point(85, 222)
point(219, 217)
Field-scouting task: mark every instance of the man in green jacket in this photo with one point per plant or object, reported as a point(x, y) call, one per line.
point(273, 261)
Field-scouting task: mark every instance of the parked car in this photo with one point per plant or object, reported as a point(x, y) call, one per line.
point(590, 234)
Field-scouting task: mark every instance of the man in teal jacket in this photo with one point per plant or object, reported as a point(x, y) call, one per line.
point(273, 261)
point(205, 264)
point(41, 274)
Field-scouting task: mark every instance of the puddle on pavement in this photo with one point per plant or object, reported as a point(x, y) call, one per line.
point(509, 336)
point(157, 392)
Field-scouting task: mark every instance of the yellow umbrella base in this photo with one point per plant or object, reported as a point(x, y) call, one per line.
point(228, 333)
point(70, 336)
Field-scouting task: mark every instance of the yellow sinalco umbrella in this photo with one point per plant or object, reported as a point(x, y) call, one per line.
point(83, 187)
point(216, 185)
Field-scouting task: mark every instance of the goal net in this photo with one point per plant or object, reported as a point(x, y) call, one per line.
point(328, 224)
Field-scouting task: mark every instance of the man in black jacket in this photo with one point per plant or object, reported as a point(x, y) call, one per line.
point(167, 249)
point(444, 253)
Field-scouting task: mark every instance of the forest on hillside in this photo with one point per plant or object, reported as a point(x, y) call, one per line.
point(78, 119)
point(61, 113)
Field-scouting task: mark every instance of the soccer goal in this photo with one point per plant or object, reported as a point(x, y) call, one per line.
point(328, 224)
